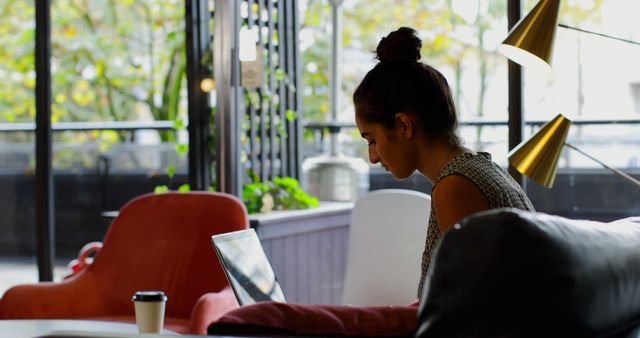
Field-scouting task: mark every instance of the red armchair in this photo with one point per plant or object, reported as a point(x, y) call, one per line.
point(157, 242)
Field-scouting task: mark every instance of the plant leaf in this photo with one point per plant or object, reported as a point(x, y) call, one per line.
point(182, 148)
point(171, 170)
point(291, 115)
point(161, 189)
point(178, 123)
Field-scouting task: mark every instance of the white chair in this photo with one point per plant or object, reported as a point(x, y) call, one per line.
point(386, 240)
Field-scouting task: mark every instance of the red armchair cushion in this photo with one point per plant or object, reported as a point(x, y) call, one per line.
point(318, 320)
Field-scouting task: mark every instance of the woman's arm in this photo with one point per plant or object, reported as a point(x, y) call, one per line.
point(455, 197)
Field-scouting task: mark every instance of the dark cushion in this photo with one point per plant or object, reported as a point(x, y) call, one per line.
point(511, 273)
point(279, 319)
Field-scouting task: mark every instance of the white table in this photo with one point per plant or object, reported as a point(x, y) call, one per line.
point(30, 328)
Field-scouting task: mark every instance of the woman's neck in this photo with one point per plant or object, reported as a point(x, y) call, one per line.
point(433, 156)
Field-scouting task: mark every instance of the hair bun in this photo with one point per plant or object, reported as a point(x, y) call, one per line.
point(402, 45)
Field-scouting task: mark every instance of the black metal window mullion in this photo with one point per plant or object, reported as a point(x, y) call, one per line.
point(515, 104)
point(228, 93)
point(263, 128)
point(272, 83)
point(282, 94)
point(45, 220)
point(198, 40)
point(290, 45)
point(252, 117)
point(297, 69)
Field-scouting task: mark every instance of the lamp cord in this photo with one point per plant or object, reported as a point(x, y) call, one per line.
point(599, 34)
point(615, 171)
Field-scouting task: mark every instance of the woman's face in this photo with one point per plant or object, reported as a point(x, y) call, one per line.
point(389, 147)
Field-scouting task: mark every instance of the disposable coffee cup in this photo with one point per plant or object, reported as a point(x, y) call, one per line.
point(149, 307)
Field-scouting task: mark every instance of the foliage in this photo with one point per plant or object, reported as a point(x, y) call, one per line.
point(112, 60)
point(161, 189)
point(117, 60)
point(455, 33)
point(17, 61)
point(282, 193)
point(315, 61)
point(182, 149)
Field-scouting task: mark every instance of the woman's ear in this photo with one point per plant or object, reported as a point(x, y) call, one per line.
point(406, 123)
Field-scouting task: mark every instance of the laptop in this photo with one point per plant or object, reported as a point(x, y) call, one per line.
point(247, 267)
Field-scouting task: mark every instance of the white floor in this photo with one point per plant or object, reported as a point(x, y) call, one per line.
point(15, 271)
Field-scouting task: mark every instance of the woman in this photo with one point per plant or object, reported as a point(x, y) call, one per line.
point(405, 111)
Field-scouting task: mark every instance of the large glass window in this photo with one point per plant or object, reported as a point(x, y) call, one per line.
point(596, 83)
point(17, 144)
point(119, 110)
point(118, 96)
point(118, 114)
point(459, 39)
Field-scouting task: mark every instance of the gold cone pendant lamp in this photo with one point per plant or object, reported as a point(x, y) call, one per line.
point(538, 157)
point(530, 42)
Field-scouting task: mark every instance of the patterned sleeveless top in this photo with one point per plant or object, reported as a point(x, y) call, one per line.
point(498, 187)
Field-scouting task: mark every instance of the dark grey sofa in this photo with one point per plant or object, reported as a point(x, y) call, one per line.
point(509, 273)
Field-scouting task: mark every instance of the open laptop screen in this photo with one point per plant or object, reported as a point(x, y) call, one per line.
point(247, 267)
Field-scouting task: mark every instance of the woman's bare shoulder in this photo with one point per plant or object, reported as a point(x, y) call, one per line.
point(455, 197)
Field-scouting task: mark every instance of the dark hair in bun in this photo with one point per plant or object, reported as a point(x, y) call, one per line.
point(400, 83)
point(402, 45)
